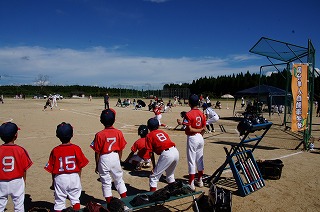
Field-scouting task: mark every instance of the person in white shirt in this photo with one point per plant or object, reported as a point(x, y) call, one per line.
point(211, 116)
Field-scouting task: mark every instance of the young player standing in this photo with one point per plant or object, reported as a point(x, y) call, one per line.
point(65, 164)
point(108, 145)
point(195, 122)
point(142, 158)
point(211, 116)
point(156, 108)
point(159, 142)
point(15, 162)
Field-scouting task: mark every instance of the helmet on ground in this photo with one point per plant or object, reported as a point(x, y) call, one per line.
point(143, 130)
point(153, 124)
point(108, 117)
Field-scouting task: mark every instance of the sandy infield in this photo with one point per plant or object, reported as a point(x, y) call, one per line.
point(297, 190)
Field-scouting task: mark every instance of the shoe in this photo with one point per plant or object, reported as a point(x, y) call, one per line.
point(200, 184)
point(192, 187)
point(213, 130)
point(138, 167)
point(126, 209)
point(146, 165)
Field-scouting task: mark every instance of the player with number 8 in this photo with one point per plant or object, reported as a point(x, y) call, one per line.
point(159, 142)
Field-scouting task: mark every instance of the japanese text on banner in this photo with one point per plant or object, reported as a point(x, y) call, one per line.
point(299, 88)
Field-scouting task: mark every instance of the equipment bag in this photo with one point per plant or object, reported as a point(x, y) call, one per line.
point(219, 199)
point(270, 169)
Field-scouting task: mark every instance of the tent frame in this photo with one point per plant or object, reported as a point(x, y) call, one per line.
point(289, 53)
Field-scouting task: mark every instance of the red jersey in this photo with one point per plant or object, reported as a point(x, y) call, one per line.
point(15, 161)
point(158, 141)
point(194, 118)
point(157, 110)
point(66, 159)
point(108, 140)
point(140, 146)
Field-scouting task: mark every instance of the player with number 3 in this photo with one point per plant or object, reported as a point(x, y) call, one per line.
point(195, 123)
point(14, 164)
point(65, 164)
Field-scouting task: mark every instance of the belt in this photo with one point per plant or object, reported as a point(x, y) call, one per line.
point(169, 148)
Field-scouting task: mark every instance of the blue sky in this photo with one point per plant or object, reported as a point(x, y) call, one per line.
point(144, 43)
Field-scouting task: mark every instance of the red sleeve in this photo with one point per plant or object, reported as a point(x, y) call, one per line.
point(49, 165)
point(81, 158)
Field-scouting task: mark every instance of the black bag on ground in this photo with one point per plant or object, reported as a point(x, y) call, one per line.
point(140, 199)
point(219, 199)
point(270, 169)
point(162, 194)
point(178, 188)
point(116, 205)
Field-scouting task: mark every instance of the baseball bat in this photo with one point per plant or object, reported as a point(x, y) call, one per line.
point(252, 175)
point(250, 188)
point(253, 167)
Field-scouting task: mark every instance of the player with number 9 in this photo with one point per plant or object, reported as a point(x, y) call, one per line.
point(65, 164)
point(14, 161)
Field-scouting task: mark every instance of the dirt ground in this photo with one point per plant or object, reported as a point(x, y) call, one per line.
point(297, 190)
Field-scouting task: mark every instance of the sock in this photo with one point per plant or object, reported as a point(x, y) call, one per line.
point(123, 195)
point(208, 127)
point(76, 206)
point(212, 127)
point(108, 199)
point(200, 174)
point(191, 178)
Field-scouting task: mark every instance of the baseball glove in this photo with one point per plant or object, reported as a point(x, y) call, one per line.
point(94, 207)
point(38, 209)
point(116, 205)
point(140, 199)
point(160, 195)
point(179, 188)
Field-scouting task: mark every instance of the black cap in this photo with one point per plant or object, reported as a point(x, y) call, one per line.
point(153, 124)
point(108, 117)
point(64, 131)
point(204, 105)
point(8, 130)
point(193, 99)
point(143, 130)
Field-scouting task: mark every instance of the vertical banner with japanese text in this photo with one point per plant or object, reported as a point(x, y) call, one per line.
point(299, 88)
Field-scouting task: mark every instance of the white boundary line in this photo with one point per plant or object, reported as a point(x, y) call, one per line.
point(286, 156)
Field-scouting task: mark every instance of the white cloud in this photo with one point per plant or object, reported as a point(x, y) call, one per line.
point(98, 66)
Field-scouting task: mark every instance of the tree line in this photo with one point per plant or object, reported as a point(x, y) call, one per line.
point(212, 86)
